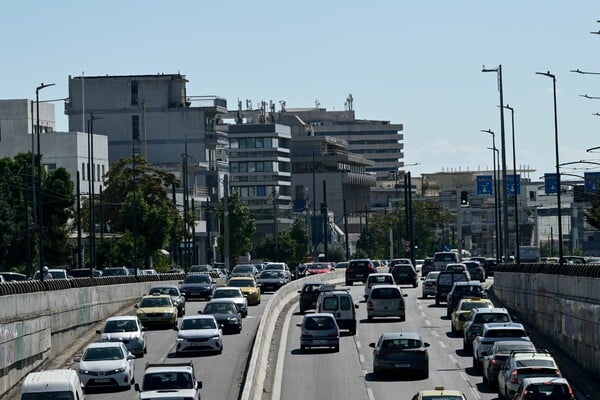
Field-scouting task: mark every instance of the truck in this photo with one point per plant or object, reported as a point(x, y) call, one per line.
point(529, 254)
point(169, 381)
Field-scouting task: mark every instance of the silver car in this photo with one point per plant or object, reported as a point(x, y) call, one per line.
point(386, 301)
point(126, 329)
point(235, 294)
point(429, 284)
point(319, 330)
point(106, 364)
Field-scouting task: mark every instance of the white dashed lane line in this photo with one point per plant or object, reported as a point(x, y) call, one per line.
point(370, 394)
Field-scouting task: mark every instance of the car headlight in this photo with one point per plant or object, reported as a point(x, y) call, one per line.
point(216, 337)
point(118, 370)
point(168, 314)
point(231, 319)
point(83, 371)
point(281, 282)
point(180, 339)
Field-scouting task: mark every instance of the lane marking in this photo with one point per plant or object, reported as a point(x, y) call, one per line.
point(361, 358)
point(365, 372)
point(278, 378)
point(370, 394)
point(434, 333)
point(427, 322)
point(442, 344)
point(357, 344)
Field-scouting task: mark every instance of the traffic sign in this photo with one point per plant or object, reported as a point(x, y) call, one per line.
point(510, 184)
point(485, 185)
point(550, 183)
point(591, 182)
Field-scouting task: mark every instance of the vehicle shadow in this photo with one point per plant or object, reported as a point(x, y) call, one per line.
point(382, 320)
point(199, 354)
point(482, 388)
point(111, 389)
point(399, 376)
point(311, 351)
point(463, 353)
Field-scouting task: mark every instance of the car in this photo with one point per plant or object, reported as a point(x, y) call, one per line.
point(444, 283)
point(339, 303)
point(235, 294)
point(176, 296)
point(379, 278)
point(428, 286)
point(127, 329)
point(52, 384)
point(149, 271)
point(157, 310)
point(116, 271)
point(440, 393)
point(358, 270)
point(456, 267)
point(427, 266)
point(475, 269)
point(519, 366)
point(271, 281)
point(200, 268)
point(395, 261)
point(342, 265)
point(84, 273)
point(55, 273)
point(405, 274)
point(463, 309)
point(309, 294)
point(245, 270)
point(169, 381)
point(199, 333)
point(473, 326)
point(278, 266)
point(106, 364)
point(400, 351)
point(226, 313)
point(13, 276)
point(443, 258)
point(494, 360)
point(197, 286)
point(489, 265)
point(248, 286)
point(317, 268)
point(544, 388)
point(319, 330)
point(495, 332)
point(459, 291)
point(386, 301)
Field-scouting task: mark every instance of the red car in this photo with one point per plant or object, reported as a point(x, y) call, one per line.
point(318, 268)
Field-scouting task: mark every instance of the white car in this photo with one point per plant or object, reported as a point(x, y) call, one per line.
point(199, 333)
point(380, 278)
point(235, 294)
point(106, 364)
point(127, 329)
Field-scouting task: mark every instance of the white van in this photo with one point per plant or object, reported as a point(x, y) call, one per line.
point(341, 305)
point(58, 384)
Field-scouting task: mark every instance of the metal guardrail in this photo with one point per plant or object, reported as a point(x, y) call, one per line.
point(585, 270)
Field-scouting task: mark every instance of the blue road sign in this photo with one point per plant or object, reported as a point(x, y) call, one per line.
point(485, 186)
point(591, 182)
point(550, 183)
point(510, 184)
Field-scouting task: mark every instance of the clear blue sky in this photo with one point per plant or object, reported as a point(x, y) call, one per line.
point(412, 62)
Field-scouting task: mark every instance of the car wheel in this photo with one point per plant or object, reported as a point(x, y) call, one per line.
point(474, 363)
point(303, 348)
point(376, 371)
point(424, 296)
point(484, 379)
point(370, 317)
point(500, 394)
point(348, 283)
point(145, 350)
point(453, 329)
point(426, 374)
point(336, 348)
point(415, 284)
point(437, 302)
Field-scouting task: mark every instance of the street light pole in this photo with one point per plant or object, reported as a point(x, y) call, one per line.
point(91, 182)
point(39, 183)
point(558, 184)
point(516, 203)
point(496, 195)
point(503, 152)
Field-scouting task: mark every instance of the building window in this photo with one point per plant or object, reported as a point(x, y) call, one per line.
point(135, 127)
point(134, 93)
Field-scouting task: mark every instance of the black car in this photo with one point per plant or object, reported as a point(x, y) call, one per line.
point(226, 313)
point(198, 285)
point(427, 266)
point(270, 281)
point(404, 274)
point(444, 283)
point(462, 290)
point(358, 271)
point(84, 273)
point(310, 292)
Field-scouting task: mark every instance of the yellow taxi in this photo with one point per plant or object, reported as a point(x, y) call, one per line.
point(248, 286)
point(464, 307)
point(440, 393)
point(157, 309)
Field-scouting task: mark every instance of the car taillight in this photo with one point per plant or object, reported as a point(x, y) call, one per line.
point(571, 394)
point(514, 377)
point(306, 336)
point(494, 362)
point(369, 304)
point(401, 306)
point(332, 335)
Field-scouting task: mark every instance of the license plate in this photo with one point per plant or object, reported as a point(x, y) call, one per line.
point(319, 342)
point(402, 365)
point(103, 380)
point(359, 275)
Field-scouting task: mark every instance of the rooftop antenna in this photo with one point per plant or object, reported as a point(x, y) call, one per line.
point(349, 102)
point(317, 103)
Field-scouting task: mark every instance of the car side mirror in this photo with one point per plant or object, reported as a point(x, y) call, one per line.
point(180, 282)
point(176, 328)
point(136, 387)
point(136, 306)
point(98, 331)
point(199, 385)
point(299, 291)
point(426, 344)
point(372, 345)
point(356, 306)
point(299, 325)
point(199, 311)
point(131, 357)
point(405, 295)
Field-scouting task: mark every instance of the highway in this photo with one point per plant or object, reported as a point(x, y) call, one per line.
point(221, 375)
point(348, 374)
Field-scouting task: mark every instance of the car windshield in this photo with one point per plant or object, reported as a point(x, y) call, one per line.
point(271, 274)
point(318, 323)
point(47, 396)
point(167, 380)
point(241, 282)
point(510, 348)
point(467, 306)
point(220, 308)
point(149, 302)
point(224, 293)
point(198, 323)
point(126, 325)
point(318, 266)
point(243, 269)
point(162, 290)
point(102, 353)
point(400, 344)
point(197, 279)
point(114, 271)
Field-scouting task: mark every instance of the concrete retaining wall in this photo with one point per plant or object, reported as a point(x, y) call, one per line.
point(565, 308)
point(36, 327)
point(259, 360)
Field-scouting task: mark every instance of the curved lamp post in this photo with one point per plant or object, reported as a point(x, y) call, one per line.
point(516, 203)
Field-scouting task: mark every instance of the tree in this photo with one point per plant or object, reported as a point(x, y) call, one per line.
point(58, 201)
point(241, 225)
point(592, 214)
point(145, 211)
point(299, 235)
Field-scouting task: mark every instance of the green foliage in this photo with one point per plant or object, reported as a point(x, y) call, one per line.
point(290, 247)
point(592, 214)
point(336, 252)
point(241, 226)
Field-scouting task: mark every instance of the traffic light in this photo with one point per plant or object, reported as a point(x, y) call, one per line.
point(464, 198)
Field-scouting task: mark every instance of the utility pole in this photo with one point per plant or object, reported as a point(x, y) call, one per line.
point(346, 231)
point(226, 222)
point(325, 221)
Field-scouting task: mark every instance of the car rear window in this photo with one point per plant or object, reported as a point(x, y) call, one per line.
point(401, 344)
point(445, 257)
point(547, 388)
point(535, 363)
point(380, 279)
point(330, 303)
point(359, 264)
point(318, 323)
point(506, 333)
point(385, 293)
point(345, 303)
point(484, 318)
